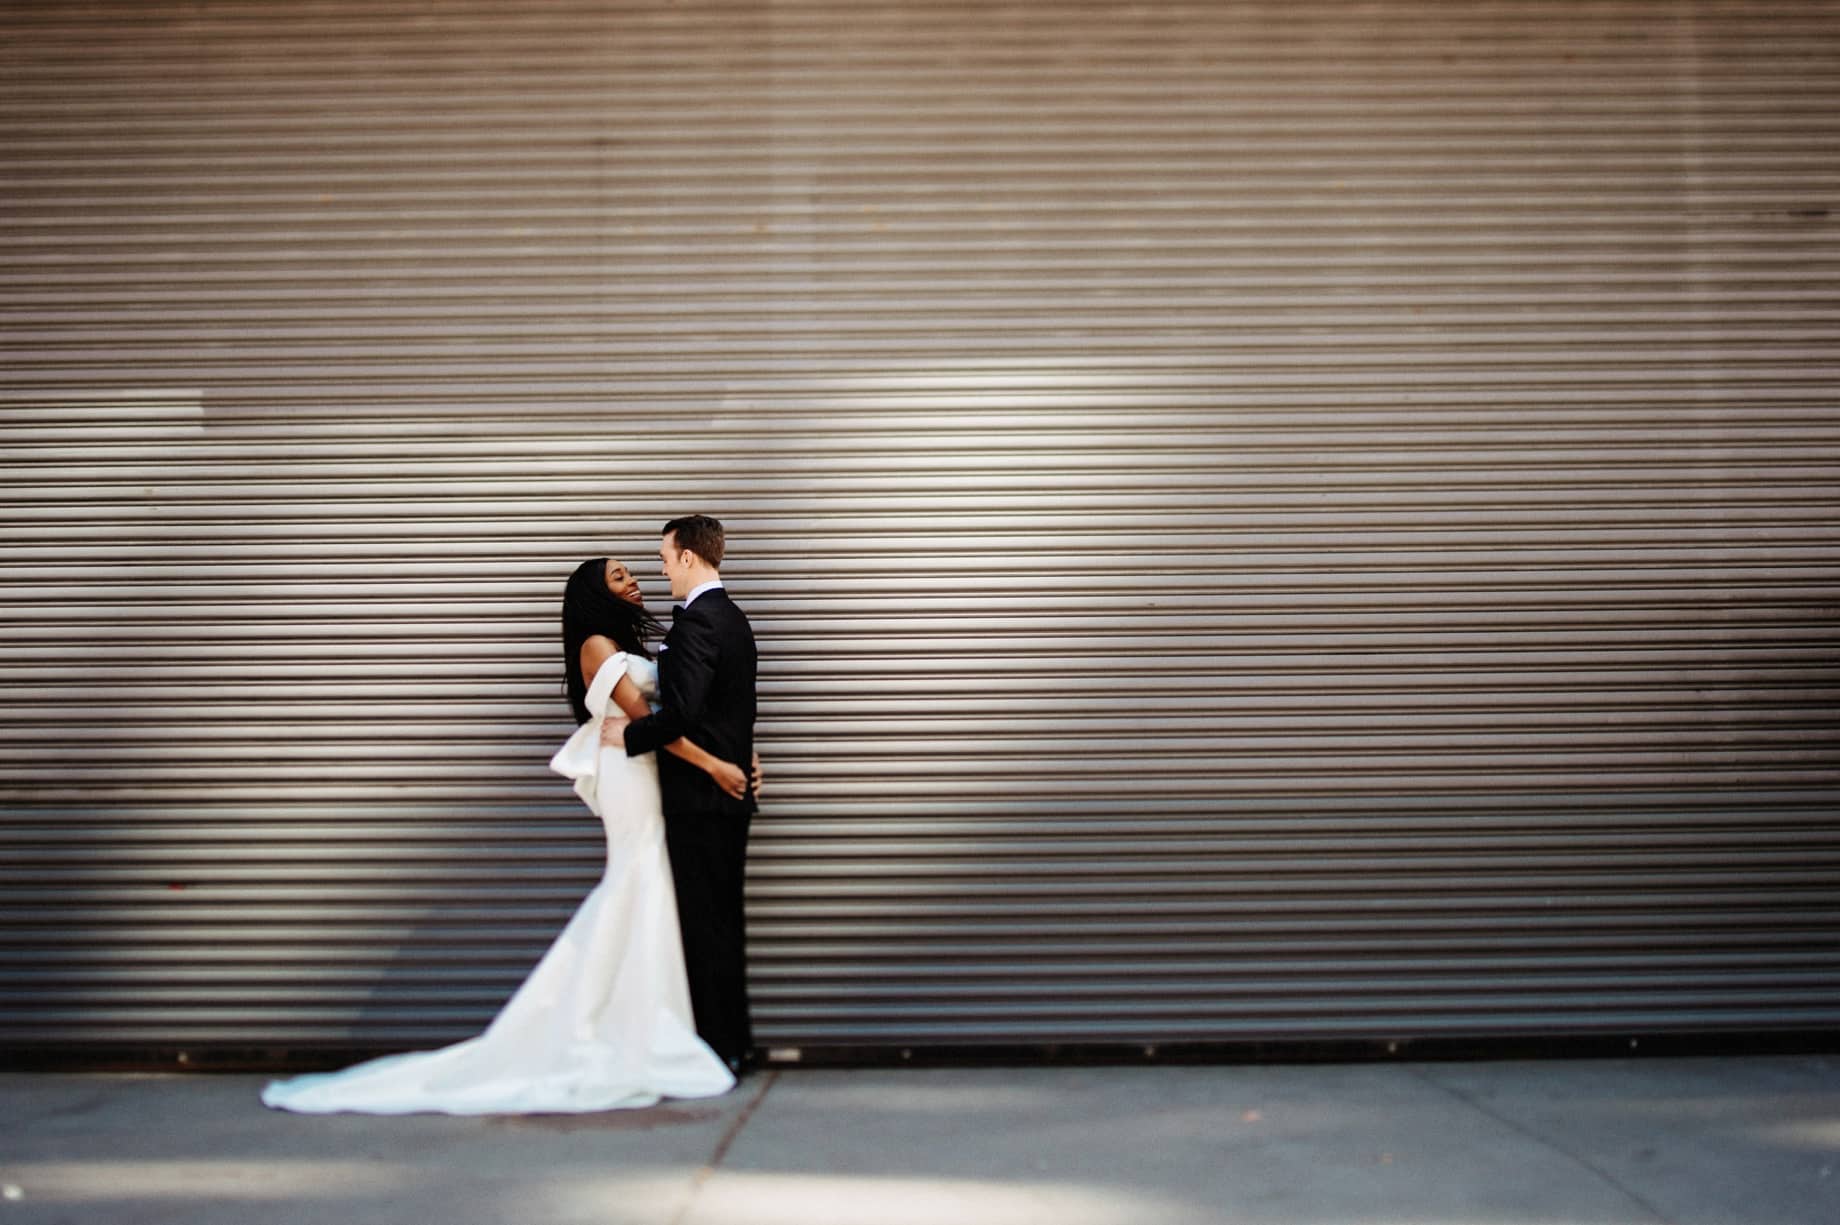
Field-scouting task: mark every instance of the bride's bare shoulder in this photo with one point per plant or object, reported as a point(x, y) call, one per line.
point(596, 650)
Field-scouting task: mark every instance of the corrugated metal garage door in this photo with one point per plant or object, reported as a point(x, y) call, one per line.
point(1265, 522)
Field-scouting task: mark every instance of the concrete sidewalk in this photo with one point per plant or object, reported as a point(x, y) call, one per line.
point(1738, 1141)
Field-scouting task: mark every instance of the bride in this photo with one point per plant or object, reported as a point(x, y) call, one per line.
point(604, 1020)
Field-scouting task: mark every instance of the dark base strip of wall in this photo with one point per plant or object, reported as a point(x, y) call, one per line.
point(98, 1058)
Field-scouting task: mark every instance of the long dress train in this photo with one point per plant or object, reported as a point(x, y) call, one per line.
point(604, 1019)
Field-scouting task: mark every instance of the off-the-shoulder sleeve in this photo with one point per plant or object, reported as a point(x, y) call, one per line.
point(580, 755)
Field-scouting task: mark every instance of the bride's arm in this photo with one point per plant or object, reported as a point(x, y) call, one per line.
point(633, 705)
point(728, 776)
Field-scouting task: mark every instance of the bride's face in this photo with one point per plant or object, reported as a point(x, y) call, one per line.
point(623, 585)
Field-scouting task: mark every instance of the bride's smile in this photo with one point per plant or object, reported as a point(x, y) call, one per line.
point(622, 584)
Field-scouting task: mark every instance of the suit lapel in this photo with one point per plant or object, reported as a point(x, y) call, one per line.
point(664, 650)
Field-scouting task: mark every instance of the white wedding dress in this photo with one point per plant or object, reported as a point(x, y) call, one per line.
point(604, 1020)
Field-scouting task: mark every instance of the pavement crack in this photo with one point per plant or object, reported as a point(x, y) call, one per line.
point(1521, 1129)
point(83, 1105)
point(707, 1170)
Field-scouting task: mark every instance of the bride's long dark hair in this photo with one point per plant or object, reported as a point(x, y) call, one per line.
point(588, 608)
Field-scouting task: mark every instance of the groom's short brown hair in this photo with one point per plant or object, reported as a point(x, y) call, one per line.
point(701, 534)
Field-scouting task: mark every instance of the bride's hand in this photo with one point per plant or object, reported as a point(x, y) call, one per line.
point(729, 777)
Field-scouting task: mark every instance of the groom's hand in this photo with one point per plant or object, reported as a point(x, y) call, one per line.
point(613, 731)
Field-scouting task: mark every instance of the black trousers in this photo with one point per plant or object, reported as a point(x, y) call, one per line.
point(709, 867)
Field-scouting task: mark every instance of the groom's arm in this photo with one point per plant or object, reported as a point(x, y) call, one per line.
point(683, 687)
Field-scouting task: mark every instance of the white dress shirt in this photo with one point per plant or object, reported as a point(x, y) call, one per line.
point(699, 589)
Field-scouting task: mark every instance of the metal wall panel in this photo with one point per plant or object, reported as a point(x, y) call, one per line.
point(1303, 521)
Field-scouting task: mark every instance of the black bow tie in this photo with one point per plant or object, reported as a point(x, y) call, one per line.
point(676, 608)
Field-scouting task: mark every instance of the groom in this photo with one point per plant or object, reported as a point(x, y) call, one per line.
point(706, 687)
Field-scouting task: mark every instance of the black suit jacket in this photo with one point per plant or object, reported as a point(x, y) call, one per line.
point(706, 690)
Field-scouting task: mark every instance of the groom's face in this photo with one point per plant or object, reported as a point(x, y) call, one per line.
point(676, 566)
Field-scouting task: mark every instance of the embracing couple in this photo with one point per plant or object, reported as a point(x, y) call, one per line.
point(644, 994)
